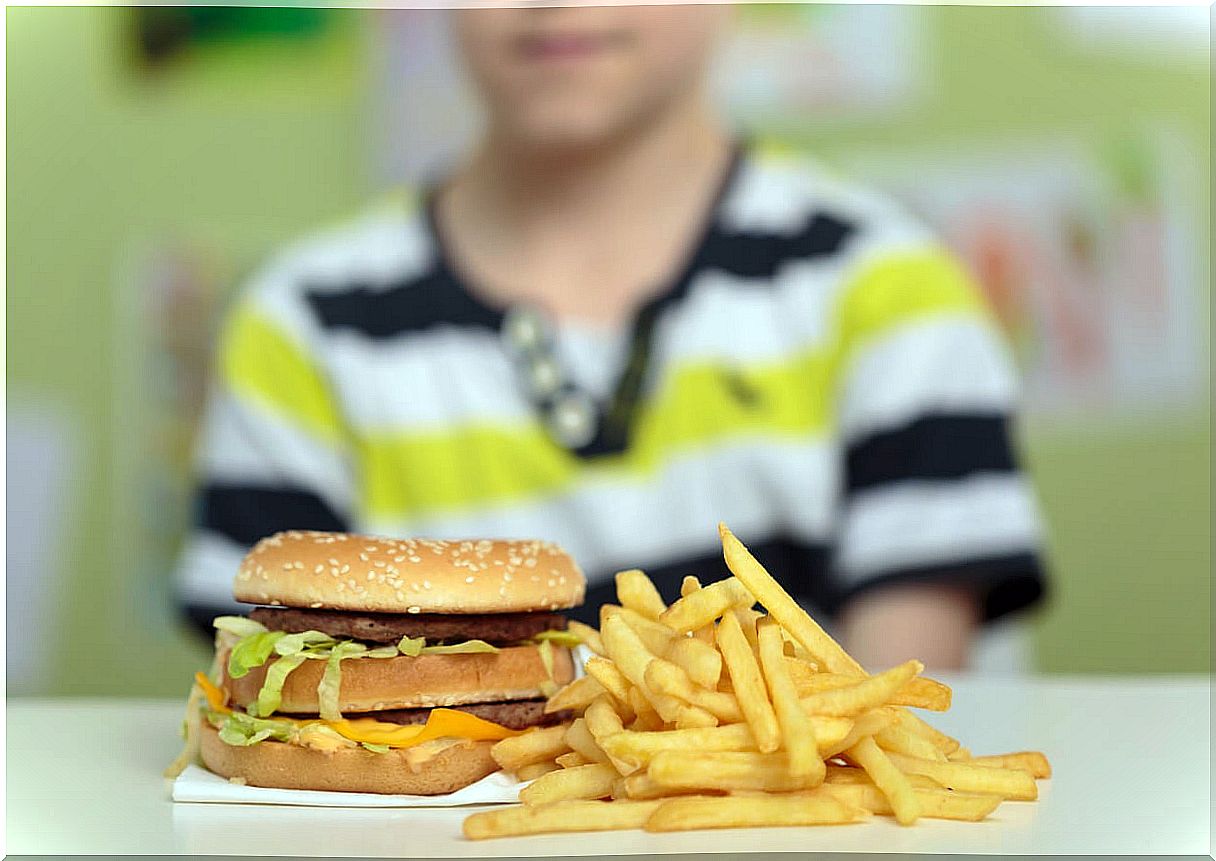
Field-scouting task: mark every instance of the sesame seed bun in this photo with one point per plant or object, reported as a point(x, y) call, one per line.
point(340, 571)
point(434, 768)
point(375, 684)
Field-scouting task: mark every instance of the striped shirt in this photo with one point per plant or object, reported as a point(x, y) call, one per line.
point(822, 376)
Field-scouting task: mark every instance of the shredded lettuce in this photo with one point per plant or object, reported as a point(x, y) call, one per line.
point(331, 679)
point(271, 693)
point(242, 730)
point(569, 639)
point(374, 748)
point(292, 644)
point(411, 646)
point(468, 647)
point(252, 651)
point(242, 626)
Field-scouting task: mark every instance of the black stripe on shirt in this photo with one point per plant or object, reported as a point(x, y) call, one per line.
point(935, 447)
point(761, 255)
point(802, 568)
point(248, 513)
point(439, 298)
point(411, 306)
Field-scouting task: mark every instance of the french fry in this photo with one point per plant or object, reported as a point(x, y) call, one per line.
point(636, 749)
point(570, 760)
point(589, 636)
point(610, 677)
point(919, 691)
point(534, 745)
point(1028, 760)
point(665, 677)
point(580, 740)
point(602, 718)
point(866, 724)
point(747, 621)
point(581, 781)
point(888, 778)
point(564, 816)
point(797, 732)
point(730, 771)
point(656, 637)
point(536, 769)
point(900, 740)
point(575, 696)
point(1012, 783)
point(640, 786)
point(647, 718)
point(748, 683)
point(933, 803)
point(637, 592)
point(699, 659)
point(783, 608)
point(631, 657)
point(683, 814)
point(700, 608)
point(851, 774)
point(705, 633)
point(865, 694)
point(940, 740)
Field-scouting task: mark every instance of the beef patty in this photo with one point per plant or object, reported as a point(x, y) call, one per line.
point(497, 628)
point(520, 714)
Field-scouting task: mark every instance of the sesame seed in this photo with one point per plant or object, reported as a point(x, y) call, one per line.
point(469, 579)
point(315, 604)
point(319, 569)
point(426, 584)
point(371, 575)
point(413, 609)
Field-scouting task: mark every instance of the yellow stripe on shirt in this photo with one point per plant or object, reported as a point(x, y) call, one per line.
point(259, 361)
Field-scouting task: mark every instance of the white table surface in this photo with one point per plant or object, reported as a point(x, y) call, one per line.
point(1131, 760)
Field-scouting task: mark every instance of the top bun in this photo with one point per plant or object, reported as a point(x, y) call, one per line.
point(338, 571)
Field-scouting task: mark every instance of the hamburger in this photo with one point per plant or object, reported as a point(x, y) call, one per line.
point(382, 665)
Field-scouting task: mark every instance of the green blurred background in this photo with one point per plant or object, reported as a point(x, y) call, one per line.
point(253, 147)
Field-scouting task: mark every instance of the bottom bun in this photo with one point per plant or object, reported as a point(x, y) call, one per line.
point(434, 768)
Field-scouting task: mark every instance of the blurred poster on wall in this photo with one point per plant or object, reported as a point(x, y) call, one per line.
point(797, 64)
point(1089, 257)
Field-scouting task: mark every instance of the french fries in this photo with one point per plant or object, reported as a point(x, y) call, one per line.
point(797, 732)
point(535, 745)
point(578, 782)
point(683, 814)
point(563, 816)
point(716, 713)
point(575, 696)
point(700, 608)
point(748, 684)
point(636, 592)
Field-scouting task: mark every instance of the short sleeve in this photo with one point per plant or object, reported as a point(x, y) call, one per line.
point(931, 487)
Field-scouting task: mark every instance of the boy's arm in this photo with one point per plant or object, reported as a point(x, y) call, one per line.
point(273, 452)
point(939, 529)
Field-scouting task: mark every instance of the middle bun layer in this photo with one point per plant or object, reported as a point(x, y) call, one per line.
point(425, 681)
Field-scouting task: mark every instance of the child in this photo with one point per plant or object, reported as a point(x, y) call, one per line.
point(616, 324)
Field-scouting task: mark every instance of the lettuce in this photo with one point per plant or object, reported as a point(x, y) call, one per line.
point(242, 626)
point(242, 730)
point(374, 748)
point(292, 644)
point(331, 679)
point(468, 647)
point(271, 693)
point(252, 651)
point(411, 646)
point(569, 639)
